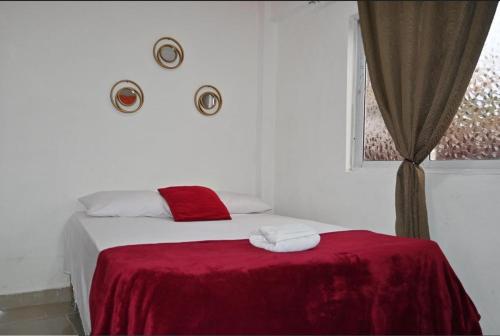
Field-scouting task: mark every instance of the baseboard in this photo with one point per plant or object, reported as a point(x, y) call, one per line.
point(36, 298)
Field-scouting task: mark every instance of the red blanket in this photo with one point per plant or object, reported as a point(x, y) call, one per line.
point(353, 282)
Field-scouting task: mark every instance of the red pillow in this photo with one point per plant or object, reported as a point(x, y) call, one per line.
point(194, 203)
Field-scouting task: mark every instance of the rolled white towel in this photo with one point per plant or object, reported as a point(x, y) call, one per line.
point(286, 245)
point(275, 234)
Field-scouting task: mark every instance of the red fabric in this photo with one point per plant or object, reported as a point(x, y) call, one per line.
point(194, 203)
point(353, 282)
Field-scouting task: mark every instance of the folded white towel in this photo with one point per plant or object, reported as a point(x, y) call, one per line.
point(289, 245)
point(285, 238)
point(275, 234)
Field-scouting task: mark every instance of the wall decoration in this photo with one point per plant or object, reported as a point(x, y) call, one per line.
point(208, 100)
point(168, 53)
point(126, 96)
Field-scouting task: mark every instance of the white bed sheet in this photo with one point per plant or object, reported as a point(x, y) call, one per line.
point(86, 237)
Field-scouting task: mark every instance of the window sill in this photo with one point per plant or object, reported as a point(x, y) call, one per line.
point(462, 171)
point(462, 167)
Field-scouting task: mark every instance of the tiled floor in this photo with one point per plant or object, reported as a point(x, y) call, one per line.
point(53, 319)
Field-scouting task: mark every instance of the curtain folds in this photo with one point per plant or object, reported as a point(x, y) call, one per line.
point(421, 56)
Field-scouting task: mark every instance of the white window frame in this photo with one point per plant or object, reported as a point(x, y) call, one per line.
point(356, 64)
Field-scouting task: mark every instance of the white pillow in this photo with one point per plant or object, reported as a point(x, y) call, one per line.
point(241, 203)
point(140, 203)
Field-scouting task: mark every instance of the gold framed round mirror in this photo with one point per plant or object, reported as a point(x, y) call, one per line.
point(126, 96)
point(168, 53)
point(208, 100)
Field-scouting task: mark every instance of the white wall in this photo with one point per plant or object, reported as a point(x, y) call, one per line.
point(60, 137)
point(268, 33)
point(310, 181)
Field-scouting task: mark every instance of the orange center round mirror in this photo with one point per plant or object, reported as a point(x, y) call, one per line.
point(127, 96)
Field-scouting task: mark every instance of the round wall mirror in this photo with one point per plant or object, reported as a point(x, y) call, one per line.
point(126, 96)
point(168, 53)
point(208, 100)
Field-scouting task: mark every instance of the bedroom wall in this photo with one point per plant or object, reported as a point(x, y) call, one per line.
point(310, 177)
point(60, 137)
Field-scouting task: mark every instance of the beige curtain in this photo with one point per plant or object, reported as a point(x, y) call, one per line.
point(421, 56)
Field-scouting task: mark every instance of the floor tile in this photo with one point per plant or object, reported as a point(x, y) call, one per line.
point(36, 312)
point(50, 326)
point(76, 322)
point(36, 298)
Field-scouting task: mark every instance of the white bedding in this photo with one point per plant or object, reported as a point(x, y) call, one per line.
point(86, 237)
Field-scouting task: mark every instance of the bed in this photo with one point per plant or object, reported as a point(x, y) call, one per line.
point(156, 276)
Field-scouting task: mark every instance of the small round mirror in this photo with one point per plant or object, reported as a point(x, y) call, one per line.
point(168, 53)
point(127, 96)
point(208, 100)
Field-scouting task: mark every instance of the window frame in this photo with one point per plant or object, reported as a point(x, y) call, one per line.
point(356, 67)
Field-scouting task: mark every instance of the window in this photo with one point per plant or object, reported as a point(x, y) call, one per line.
point(474, 134)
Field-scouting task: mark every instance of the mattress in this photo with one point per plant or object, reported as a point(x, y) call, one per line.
point(86, 237)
